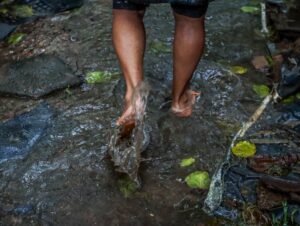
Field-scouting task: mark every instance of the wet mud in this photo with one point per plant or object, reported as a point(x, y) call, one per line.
point(68, 178)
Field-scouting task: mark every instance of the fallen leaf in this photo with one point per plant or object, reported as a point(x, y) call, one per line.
point(239, 70)
point(100, 76)
point(15, 38)
point(261, 90)
point(260, 62)
point(160, 47)
point(244, 149)
point(289, 100)
point(198, 179)
point(23, 11)
point(3, 11)
point(127, 187)
point(250, 9)
point(187, 162)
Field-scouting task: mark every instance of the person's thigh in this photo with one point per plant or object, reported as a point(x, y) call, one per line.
point(192, 11)
point(124, 4)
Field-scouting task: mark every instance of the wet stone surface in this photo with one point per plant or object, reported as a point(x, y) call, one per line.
point(35, 77)
point(68, 178)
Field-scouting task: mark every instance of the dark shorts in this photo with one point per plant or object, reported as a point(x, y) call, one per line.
point(185, 10)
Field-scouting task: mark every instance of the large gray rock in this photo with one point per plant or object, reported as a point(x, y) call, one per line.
point(36, 77)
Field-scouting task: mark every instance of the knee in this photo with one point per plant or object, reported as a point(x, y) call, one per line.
point(125, 15)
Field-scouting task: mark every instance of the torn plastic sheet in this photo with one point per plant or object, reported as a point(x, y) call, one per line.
point(267, 180)
point(19, 135)
point(215, 194)
point(290, 80)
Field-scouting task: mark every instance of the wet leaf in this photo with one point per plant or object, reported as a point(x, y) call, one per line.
point(261, 90)
point(68, 91)
point(127, 187)
point(250, 9)
point(289, 100)
point(16, 38)
point(187, 162)
point(198, 179)
point(160, 47)
point(239, 70)
point(244, 149)
point(100, 76)
point(3, 11)
point(22, 11)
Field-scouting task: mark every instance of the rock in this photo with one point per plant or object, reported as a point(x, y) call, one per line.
point(37, 76)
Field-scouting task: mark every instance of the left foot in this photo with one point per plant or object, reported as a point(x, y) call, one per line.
point(185, 106)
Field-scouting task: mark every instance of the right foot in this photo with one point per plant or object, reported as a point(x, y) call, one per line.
point(185, 106)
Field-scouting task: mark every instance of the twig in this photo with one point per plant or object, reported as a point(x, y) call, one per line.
point(264, 19)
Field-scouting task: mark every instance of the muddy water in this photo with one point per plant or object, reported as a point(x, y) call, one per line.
point(68, 179)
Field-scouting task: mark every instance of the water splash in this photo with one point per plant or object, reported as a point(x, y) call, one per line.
point(130, 139)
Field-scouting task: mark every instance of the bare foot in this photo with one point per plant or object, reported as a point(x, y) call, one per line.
point(185, 106)
point(135, 108)
point(128, 115)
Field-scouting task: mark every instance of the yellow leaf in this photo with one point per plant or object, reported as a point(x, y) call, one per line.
point(239, 70)
point(187, 162)
point(244, 149)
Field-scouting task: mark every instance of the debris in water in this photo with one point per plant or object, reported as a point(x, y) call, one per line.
point(22, 11)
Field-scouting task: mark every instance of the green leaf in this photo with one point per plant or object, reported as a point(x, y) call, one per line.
point(22, 11)
point(100, 76)
point(250, 9)
point(3, 11)
point(187, 162)
point(16, 38)
point(289, 100)
point(198, 179)
point(239, 70)
point(127, 187)
point(244, 149)
point(297, 96)
point(261, 90)
point(159, 47)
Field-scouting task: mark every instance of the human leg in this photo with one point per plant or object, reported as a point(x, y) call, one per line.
point(128, 35)
point(187, 50)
